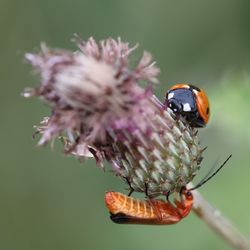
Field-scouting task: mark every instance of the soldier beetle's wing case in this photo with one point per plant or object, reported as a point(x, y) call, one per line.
point(127, 210)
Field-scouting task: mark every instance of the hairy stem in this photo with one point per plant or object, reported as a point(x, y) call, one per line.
point(217, 222)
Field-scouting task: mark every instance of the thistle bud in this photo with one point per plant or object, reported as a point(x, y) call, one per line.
point(100, 109)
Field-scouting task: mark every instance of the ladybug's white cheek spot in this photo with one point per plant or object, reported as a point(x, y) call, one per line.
point(186, 107)
point(170, 95)
point(195, 92)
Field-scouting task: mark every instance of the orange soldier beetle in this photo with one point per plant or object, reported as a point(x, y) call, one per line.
point(127, 210)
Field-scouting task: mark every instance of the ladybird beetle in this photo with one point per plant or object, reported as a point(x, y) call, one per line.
point(190, 102)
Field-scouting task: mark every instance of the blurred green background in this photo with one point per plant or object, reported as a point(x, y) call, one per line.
point(50, 201)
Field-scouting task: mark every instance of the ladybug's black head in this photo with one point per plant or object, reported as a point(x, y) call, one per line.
point(175, 105)
point(182, 102)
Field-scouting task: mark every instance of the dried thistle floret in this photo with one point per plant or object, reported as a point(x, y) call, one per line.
point(99, 109)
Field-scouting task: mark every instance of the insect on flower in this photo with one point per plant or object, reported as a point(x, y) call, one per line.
point(127, 210)
point(190, 102)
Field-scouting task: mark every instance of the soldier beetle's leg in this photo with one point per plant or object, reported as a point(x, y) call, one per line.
point(130, 192)
point(184, 206)
point(146, 190)
point(149, 196)
point(130, 187)
point(167, 196)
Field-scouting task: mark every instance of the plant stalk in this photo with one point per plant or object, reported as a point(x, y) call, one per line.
point(218, 223)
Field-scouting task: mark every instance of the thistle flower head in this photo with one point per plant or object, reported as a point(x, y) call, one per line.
point(99, 109)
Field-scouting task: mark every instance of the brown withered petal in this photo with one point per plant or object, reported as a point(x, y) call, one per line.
point(99, 109)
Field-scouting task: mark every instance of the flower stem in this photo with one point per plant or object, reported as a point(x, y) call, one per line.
point(220, 224)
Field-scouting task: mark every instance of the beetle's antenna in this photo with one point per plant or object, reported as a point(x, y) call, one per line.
point(205, 179)
point(210, 171)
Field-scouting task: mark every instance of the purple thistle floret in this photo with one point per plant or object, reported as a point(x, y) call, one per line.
point(99, 109)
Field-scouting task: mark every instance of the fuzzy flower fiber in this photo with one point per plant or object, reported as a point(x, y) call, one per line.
point(99, 109)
